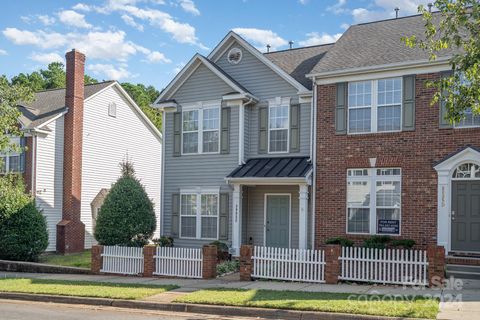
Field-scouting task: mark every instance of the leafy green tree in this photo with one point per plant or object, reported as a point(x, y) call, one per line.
point(23, 229)
point(127, 216)
point(144, 97)
point(34, 80)
point(455, 27)
point(54, 75)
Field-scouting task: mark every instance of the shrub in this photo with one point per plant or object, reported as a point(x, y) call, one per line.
point(377, 242)
point(222, 250)
point(127, 216)
point(163, 241)
point(23, 229)
point(404, 243)
point(344, 242)
point(227, 267)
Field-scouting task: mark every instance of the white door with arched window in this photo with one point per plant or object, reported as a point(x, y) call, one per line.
point(459, 201)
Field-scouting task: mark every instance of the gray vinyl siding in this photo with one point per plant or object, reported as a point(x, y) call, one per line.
point(202, 85)
point(256, 77)
point(251, 147)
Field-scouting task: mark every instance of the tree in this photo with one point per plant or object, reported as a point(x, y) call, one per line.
point(10, 95)
point(144, 97)
point(127, 216)
point(455, 27)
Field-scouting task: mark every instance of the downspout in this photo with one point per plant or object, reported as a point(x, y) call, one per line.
point(313, 156)
point(162, 176)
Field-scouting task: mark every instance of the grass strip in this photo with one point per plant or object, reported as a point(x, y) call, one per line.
point(80, 260)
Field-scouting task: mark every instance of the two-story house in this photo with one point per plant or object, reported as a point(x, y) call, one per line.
point(237, 163)
point(387, 161)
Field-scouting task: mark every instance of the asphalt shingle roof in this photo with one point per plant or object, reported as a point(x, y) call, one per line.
point(376, 43)
point(300, 61)
point(49, 103)
point(285, 167)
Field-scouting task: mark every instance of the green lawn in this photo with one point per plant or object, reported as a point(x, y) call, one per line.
point(81, 260)
point(315, 301)
point(82, 288)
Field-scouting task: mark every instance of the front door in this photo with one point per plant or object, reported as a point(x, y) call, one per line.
point(277, 233)
point(466, 215)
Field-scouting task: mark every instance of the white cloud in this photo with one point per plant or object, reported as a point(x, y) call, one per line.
point(315, 38)
point(39, 38)
point(304, 2)
point(72, 18)
point(384, 9)
point(339, 7)
point(46, 19)
point(344, 26)
point(46, 58)
point(82, 7)
point(157, 57)
point(189, 6)
point(178, 67)
point(3, 52)
point(262, 37)
point(110, 71)
point(131, 22)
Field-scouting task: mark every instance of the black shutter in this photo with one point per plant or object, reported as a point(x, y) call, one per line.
point(443, 121)
point(225, 131)
point(224, 212)
point(175, 215)
point(295, 128)
point(177, 134)
point(262, 129)
point(408, 110)
point(341, 109)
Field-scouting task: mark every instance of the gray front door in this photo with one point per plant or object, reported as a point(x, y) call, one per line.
point(466, 215)
point(277, 221)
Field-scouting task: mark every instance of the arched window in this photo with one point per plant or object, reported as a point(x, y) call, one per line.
point(467, 171)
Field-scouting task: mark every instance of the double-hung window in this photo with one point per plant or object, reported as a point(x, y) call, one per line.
point(201, 132)
point(374, 201)
point(375, 105)
point(13, 161)
point(199, 215)
point(278, 126)
point(469, 118)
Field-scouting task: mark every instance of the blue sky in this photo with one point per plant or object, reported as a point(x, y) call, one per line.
point(148, 41)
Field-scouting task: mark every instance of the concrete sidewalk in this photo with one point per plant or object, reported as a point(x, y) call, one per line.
point(463, 303)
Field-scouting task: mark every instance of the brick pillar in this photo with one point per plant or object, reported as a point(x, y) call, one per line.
point(97, 260)
point(148, 260)
point(436, 265)
point(71, 230)
point(332, 263)
point(209, 262)
point(246, 264)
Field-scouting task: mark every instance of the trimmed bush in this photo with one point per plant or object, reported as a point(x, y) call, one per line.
point(23, 229)
point(404, 243)
point(344, 242)
point(376, 242)
point(163, 241)
point(127, 216)
point(222, 250)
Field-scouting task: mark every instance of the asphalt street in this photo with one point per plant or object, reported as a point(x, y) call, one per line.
point(23, 310)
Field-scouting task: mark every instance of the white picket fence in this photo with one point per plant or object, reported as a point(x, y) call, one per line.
point(179, 262)
point(392, 266)
point(288, 264)
point(122, 260)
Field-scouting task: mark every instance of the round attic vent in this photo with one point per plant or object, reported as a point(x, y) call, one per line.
point(234, 55)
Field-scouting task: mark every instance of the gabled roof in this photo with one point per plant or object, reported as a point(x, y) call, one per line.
point(377, 44)
point(232, 36)
point(462, 151)
point(48, 104)
point(299, 62)
point(278, 167)
point(187, 71)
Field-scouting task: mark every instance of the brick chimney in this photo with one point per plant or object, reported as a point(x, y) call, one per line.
point(71, 230)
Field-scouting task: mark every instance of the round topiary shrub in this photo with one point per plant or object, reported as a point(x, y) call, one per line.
point(127, 216)
point(23, 229)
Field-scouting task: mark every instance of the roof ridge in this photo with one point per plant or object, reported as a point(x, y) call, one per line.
point(305, 47)
point(86, 85)
point(392, 19)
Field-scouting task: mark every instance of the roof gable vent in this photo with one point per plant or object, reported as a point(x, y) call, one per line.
point(234, 55)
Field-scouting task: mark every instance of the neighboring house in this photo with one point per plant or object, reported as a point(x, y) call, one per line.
point(387, 161)
point(76, 138)
point(237, 153)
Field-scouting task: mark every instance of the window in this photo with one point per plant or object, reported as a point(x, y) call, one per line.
point(199, 215)
point(201, 132)
point(469, 119)
point(278, 126)
point(13, 161)
point(112, 109)
point(467, 171)
point(375, 106)
point(374, 201)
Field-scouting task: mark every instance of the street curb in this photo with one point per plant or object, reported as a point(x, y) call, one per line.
point(193, 308)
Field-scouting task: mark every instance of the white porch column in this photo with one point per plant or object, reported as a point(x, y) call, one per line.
point(302, 216)
point(237, 219)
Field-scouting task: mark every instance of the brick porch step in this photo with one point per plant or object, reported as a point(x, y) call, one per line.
point(467, 260)
point(463, 271)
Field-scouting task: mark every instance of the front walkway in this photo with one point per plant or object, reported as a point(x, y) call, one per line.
point(461, 303)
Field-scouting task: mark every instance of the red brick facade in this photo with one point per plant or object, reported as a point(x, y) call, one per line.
point(71, 231)
point(415, 152)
